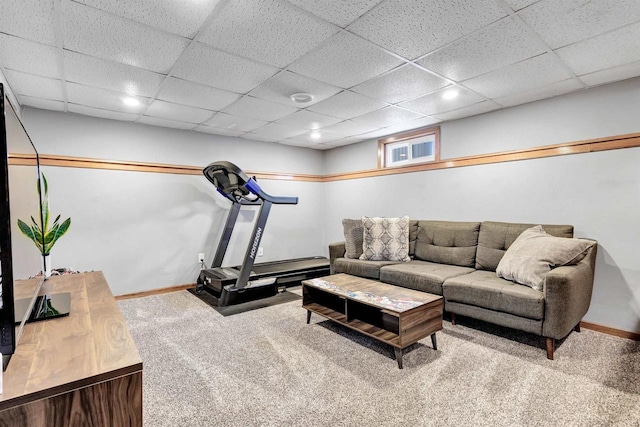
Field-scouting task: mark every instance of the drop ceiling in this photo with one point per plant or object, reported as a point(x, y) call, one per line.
point(374, 67)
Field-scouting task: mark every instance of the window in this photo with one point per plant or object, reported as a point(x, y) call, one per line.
point(420, 146)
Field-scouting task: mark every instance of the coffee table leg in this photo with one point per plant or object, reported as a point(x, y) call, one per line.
point(433, 341)
point(398, 352)
point(309, 317)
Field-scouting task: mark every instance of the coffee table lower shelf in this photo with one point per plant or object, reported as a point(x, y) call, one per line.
point(399, 329)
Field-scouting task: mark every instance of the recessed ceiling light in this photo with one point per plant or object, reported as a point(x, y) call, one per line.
point(450, 94)
point(315, 135)
point(301, 97)
point(131, 102)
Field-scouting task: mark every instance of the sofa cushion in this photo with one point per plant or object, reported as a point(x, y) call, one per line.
point(385, 239)
point(447, 242)
point(352, 237)
point(485, 289)
point(360, 268)
point(496, 237)
point(421, 275)
point(534, 253)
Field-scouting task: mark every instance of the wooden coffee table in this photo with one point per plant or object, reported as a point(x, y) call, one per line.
point(391, 314)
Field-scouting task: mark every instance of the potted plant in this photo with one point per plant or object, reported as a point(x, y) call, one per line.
point(46, 236)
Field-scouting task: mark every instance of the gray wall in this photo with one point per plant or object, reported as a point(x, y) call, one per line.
point(599, 193)
point(145, 230)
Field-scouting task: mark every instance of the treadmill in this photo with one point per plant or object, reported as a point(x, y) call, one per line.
point(232, 285)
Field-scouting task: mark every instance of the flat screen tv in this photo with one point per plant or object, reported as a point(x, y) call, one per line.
point(20, 199)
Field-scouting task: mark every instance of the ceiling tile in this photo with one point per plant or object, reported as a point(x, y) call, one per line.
point(29, 19)
point(92, 71)
point(27, 56)
point(554, 89)
point(387, 116)
point(401, 84)
point(344, 61)
point(609, 75)
point(104, 114)
point(234, 123)
point(217, 131)
point(156, 121)
point(93, 32)
point(605, 51)
point(491, 48)
point(195, 95)
point(293, 143)
point(340, 142)
point(349, 128)
point(35, 86)
point(562, 22)
point(338, 12)
point(44, 104)
point(263, 138)
point(211, 67)
point(520, 4)
point(346, 105)
point(434, 103)
point(279, 131)
point(309, 120)
point(176, 112)
point(535, 72)
point(266, 30)
point(284, 84)
point(412, 28)
point(260, 109)
point(410, 125)
point(178, 17)
point(317, 138)
point(102, 98)
point(472, 110)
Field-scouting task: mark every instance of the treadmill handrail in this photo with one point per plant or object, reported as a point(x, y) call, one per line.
point(244, 183)
point(253, 186)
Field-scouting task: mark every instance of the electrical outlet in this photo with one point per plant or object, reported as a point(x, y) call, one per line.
point(260, 251)
point(201, 258)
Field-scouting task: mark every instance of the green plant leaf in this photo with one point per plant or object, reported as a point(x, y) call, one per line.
point(45, 204)
point(26, 230)
point(56, 233)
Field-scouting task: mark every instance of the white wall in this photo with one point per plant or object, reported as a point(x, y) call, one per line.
point(598, 193)
point(145, 230)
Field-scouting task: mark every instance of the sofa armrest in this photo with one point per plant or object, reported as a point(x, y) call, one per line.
point(567, 295)
point(336, 250)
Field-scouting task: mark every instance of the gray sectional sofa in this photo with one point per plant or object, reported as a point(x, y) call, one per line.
point(458, 260)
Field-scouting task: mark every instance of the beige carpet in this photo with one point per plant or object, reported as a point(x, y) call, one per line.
point(267, 367)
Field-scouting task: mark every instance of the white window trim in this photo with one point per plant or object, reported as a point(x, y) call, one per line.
point(408, 139)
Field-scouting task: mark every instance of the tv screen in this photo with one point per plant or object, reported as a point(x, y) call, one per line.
point(20, 259)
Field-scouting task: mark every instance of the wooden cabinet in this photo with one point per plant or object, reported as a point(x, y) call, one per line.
point(79, 370)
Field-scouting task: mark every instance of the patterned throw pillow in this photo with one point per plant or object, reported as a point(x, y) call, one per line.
point(385, 239)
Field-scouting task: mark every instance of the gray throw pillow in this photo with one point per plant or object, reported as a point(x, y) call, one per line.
point(353, 235)
point(386, 239)
point(534, 253)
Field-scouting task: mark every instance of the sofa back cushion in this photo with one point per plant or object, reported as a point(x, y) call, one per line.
point(496, 237)
point(353, 233)
point(447, 242)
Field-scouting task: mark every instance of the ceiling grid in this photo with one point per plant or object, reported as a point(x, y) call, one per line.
point(373, 67)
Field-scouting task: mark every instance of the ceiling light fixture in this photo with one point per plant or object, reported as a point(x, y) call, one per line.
point(450, 94)
point(131, 102)
point(301, 97)
point(315, 135)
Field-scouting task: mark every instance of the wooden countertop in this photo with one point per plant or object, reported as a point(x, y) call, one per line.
point(91, 345)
